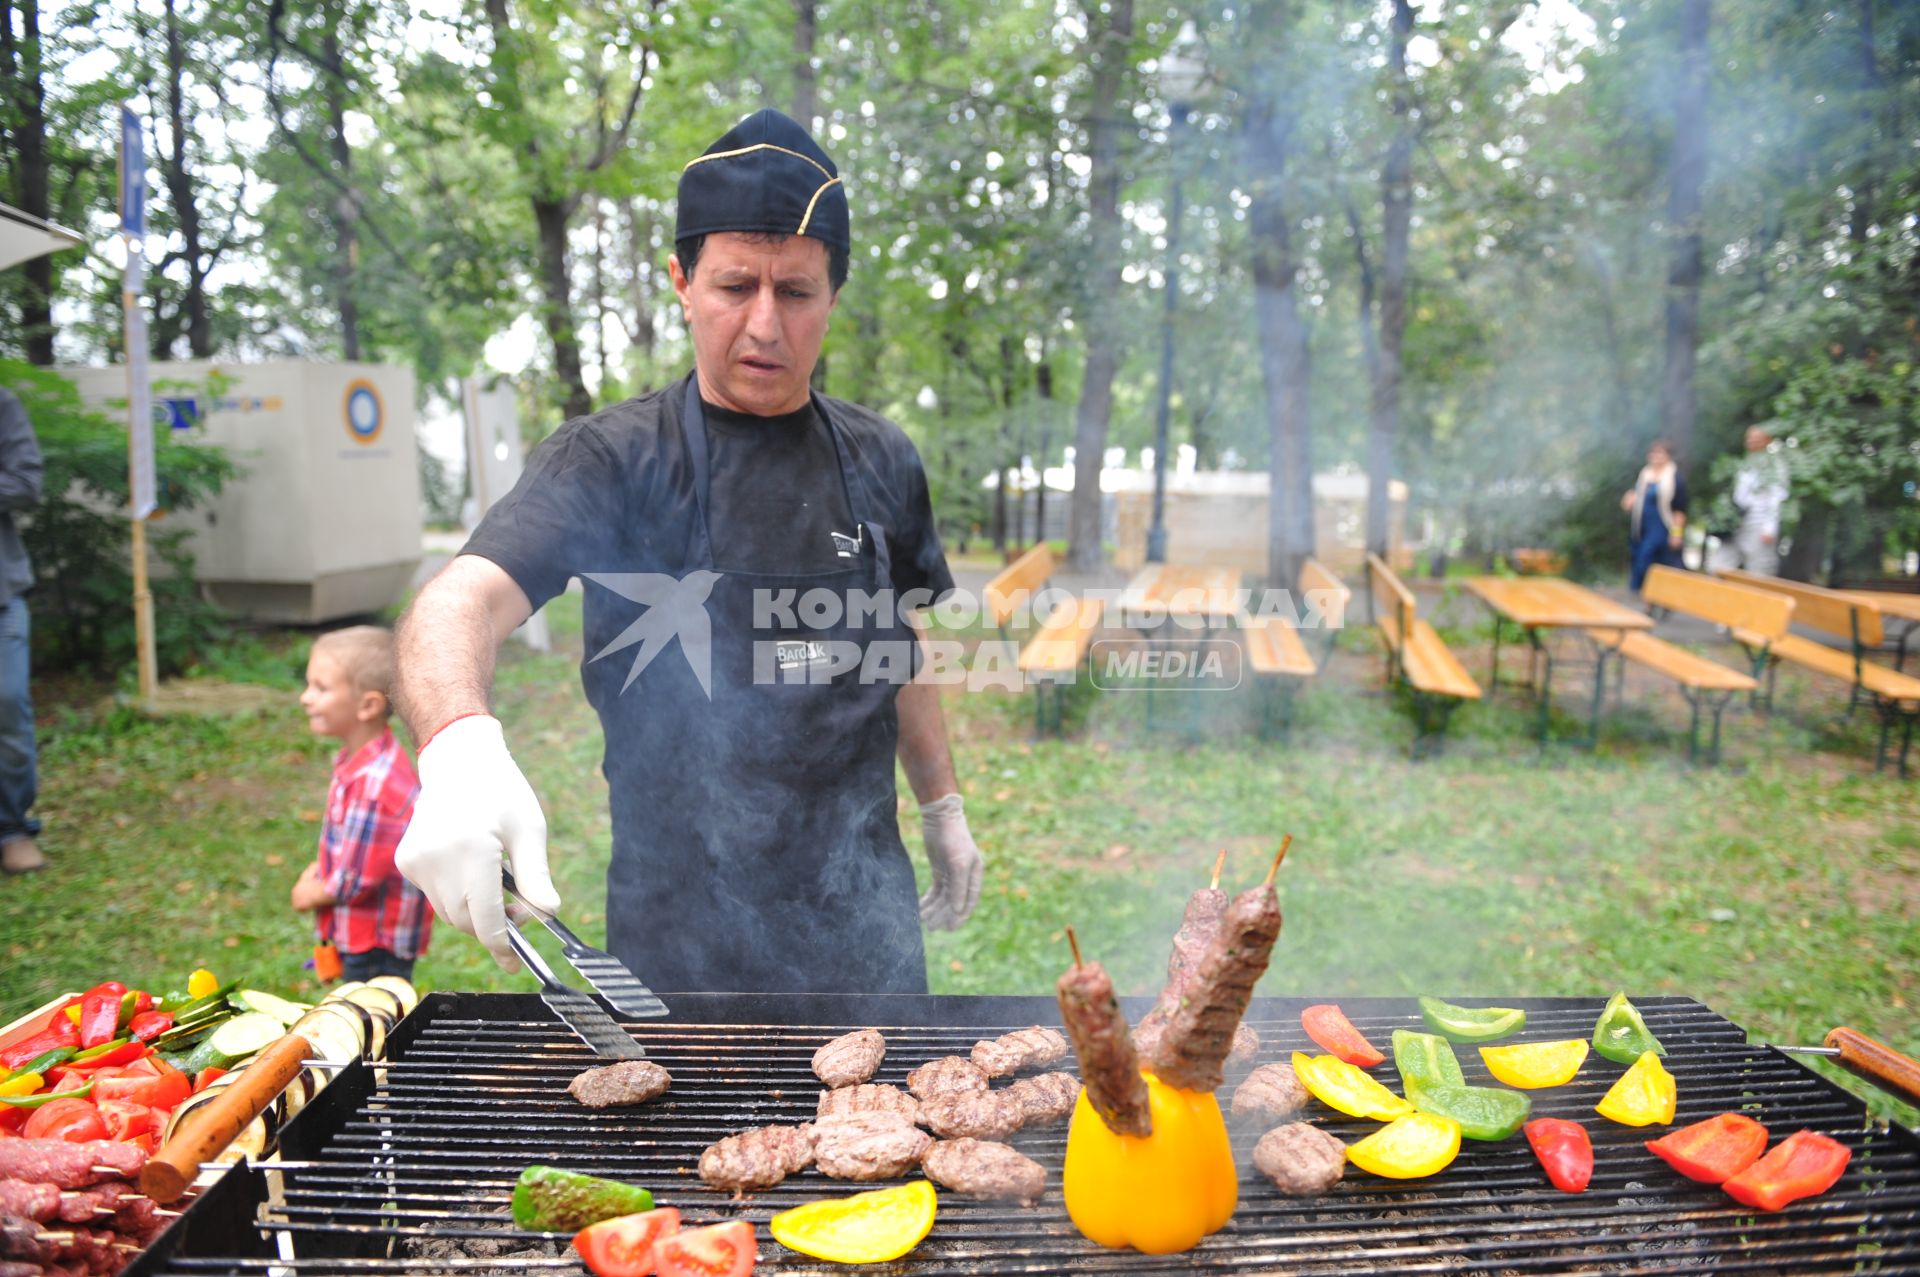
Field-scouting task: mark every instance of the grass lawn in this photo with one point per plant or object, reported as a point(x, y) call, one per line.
point(1779, 889)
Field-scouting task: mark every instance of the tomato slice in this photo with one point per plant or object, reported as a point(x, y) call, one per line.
point(207, 1077)
point(127, 1120)
point(722, 1250)
point(1713, 1151)
point(1329, 1026)
point(75, 1121)
point(623, 1247)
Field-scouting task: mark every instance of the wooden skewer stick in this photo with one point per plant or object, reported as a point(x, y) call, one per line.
point(1278, 857)
point(1219, 863)
point(1075, 942)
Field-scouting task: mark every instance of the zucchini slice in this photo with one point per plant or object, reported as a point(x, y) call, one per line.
point(267, 1004)
point(243, 1036)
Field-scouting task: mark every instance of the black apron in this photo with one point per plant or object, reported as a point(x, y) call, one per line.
point(756, 845)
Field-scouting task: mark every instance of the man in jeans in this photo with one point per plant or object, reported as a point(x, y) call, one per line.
point(19, 490)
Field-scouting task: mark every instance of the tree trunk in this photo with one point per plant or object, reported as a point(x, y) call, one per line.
point(346, 209)
point(600, 297)
point(1043, 391)
point(23, 83)
point(1110, 34)
point(805, 88)
point(1686, 170)
point(556, 312)
point(180, 194)
point(1396, 203)
point(1283, 341)
point(639, 271)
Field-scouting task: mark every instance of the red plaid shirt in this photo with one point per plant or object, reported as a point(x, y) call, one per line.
point(368, 806)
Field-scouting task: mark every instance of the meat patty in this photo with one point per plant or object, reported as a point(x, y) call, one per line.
point(1046, 1097)
point(1022, 1049)
point(986, 1115)
point(945, 1076)
point(618, 1085)
point(850, 1059)
point(1272, 1091)
point(1246, 1045)
point(869, 1097)
point(864, 1146)
point(1300, 1159)
point(759, 1158)
point(982, 1168)
point(1200, 1033)
point(1108, 1063)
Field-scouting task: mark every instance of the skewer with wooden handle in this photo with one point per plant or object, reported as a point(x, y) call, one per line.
point(1875, 1061)
point(207, 1131)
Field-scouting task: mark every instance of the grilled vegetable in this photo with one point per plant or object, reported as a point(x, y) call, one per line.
point(235, 1040)
point(401, 989)
point(866, 1228)
point(202, 983)
point(30, 1101)
point(337, 1036)
point(1409, 1147)
point(1564, 1151)
point(60, 1033)
point(1713, 1151)
point(1621, 1034)
point(1533, 1065)
point(550, 1200)
point(1425, 1059)
point(281, 1010)
point(1330, 1029)
point(1471, 1024)
point(1644, 1095)
point(719, 1250)
point(623, 1246)
point(1805, 1164)
point(1341, 1086)
point(1121, 1189)
point(1483, 1112)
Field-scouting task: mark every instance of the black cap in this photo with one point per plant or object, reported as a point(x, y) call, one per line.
point(766, 175)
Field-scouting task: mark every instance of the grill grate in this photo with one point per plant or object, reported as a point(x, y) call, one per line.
point(408, 1167)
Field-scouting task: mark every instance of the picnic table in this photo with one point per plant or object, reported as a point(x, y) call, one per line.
point(1168, 603)
point(1545, 604)
point(1896, 606)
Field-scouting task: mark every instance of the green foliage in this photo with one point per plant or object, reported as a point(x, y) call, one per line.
point(77, 537)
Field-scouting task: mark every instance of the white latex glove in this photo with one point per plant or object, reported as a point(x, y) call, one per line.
point(956, 864)
point(475, 805)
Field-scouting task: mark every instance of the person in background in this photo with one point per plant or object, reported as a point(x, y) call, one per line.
point(377, 920)
point(1759, 491)
point(1657, 510)
point(20, 468)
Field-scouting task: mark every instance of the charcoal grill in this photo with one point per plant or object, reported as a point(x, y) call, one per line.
point(407, 1167)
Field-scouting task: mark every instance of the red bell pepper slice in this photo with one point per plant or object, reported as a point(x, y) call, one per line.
point(105, 987)
point(99, 1017)
point(142, 1002)
point(151, 1081)
point(148, 1025)
point(125, 1053)
point(1564, 1151)
point(1713, 1151)
point(56, 1035)
point(1330, 1028)
point(1805, 1164)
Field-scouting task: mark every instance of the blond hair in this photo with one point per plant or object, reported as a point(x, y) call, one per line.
point(365, 654)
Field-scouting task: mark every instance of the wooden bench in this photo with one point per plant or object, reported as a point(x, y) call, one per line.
point(1895, 696)
point(1417, 658)
point(1054, 654)
point(1276, 652)
point(1704, 683)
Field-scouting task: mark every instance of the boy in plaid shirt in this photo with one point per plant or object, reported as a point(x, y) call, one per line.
point(377, 919)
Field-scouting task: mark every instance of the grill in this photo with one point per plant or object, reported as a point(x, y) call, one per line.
point(407, 1166)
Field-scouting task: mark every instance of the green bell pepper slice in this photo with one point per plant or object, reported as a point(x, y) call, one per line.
point(1622, 1034)
point(1483, 1112)
point(1425, 1059)
point(35, 1101)
point(43, 1064)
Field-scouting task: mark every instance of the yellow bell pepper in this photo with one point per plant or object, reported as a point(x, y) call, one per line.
point(1644, 1095)
point(1157, 1193)
point(1532, 1065)
point(1342, 1086)
point(73, 1013)
point(1409, 1147)
point(201, 983)
point(866, 1228)
point(21, 1084)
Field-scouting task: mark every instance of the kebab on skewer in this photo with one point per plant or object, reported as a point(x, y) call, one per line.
point(1201, 922)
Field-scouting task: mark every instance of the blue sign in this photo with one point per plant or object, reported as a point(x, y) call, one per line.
point(133, 175)
point(181, 414)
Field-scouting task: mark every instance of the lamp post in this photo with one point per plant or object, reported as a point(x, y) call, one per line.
point(1181, 74)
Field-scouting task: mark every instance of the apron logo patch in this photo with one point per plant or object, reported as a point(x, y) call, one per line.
point(794, 654)
point(847, 547)
point(676, 608)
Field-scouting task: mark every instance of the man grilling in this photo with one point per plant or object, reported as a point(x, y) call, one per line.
point(751, 725)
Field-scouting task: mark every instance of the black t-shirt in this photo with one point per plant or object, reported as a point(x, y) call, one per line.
point(778, 503)
point(613, 492)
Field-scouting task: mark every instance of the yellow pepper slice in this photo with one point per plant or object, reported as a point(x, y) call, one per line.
point(73, 1013)
point(1644, 1095)
point(1157, 1193)
point(1532, 1065)
point(1409, 1147)
point(201, 983)
point(1343, 1086)
point(866, 1228)
point(21, 1084)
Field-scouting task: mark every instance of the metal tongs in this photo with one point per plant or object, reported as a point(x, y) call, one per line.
point(608, 975)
